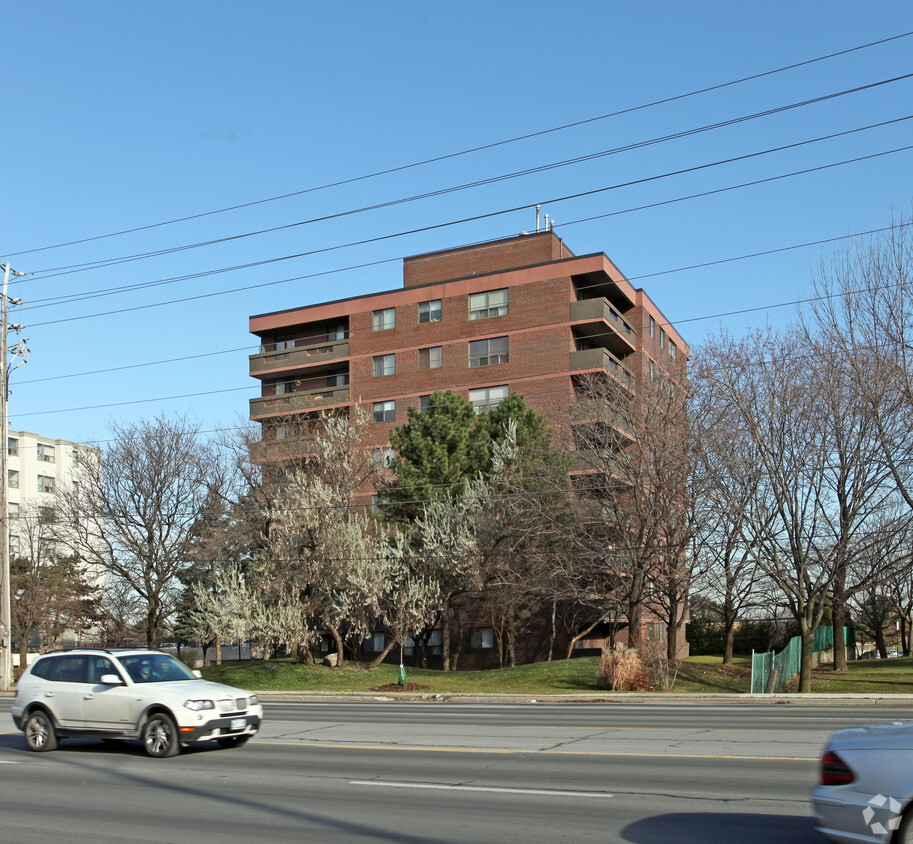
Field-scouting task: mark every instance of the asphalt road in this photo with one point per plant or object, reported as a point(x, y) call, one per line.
point(443, 772)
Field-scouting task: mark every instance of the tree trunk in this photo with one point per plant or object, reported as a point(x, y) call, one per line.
point(445, 638)
point(805, 666)
point(635, 634)
point(551, 635)
point(880, 645)
point(730, 644)
point(218, 651)
point(337, 638)
point(382, 655)
point(23, 649)
point(839, 621)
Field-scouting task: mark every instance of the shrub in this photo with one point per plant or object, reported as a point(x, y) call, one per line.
point(621, 669)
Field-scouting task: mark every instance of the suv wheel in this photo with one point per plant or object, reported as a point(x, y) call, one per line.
point(39, 731)
point(160, 736)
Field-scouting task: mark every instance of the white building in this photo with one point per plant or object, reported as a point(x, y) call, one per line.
point(38, 467)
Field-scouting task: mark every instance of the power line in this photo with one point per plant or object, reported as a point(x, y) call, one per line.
point(109, 262)
point(562, 127)
point(435, 226)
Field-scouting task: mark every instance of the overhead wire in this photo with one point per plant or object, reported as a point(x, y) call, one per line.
point(55, 272)
point(492, 145)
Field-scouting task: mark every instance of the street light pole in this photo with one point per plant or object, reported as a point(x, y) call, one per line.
point(6, 637)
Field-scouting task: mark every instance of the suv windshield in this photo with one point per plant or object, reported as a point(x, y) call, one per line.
point(155, 668)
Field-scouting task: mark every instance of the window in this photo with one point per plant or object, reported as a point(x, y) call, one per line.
point(283, 342)
point(652, 370)
point(384, 320)
point(432, 646)
point(283, 388)
point(652, 327)
point(488, 352)
point(384, 365)
point(12, 479)
point(12, 446)
point(492, 303)
point(482, 637)
point(45, 483)
point(429, 311)
point(74, 457)
point(45, 453)
point(13, 510)
point(337, 332)
point(69, 669)
point(662, 338)
point(373, 643)
point(424, 404)
point(14, 544)
point(99, 666)
point(384, 411)
point(383, 458)
point(337, 379)
point(430, 358)
point(281, 431)
point(378, 504)
point(487, 398)
point(673, 349)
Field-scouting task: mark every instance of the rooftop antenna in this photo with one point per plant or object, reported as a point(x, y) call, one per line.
point(537, 217)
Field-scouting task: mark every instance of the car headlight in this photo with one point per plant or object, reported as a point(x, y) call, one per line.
point(197, 705)
point(254, 700)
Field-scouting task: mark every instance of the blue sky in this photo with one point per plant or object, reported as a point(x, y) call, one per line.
point(124, 115)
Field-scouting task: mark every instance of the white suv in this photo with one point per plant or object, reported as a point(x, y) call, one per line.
point(129, 694)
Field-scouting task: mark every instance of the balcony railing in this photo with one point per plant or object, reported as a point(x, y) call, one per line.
point(600, 309)
point(601, 359)
point(296, 402)
point(271, 358)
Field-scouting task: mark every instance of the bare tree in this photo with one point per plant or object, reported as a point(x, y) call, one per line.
point(632, 484)
point(821, 501)
point(133, 514)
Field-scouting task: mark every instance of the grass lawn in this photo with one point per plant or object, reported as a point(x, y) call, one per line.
point(697, 675)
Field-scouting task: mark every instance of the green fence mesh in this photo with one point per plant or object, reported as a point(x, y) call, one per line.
point(771, 671)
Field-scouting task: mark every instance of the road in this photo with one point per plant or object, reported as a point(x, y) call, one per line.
point(443, 772)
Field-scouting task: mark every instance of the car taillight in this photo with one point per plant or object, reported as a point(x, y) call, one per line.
point(834, 771)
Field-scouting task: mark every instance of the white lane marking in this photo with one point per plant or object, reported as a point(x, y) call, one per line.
point(4, 762)
point(542, 792)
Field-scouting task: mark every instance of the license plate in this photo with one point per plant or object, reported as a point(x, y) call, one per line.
point(238, 723)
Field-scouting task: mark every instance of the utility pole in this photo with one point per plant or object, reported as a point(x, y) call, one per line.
point(6, 637)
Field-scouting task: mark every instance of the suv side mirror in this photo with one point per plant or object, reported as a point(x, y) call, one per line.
point(111, 680)
point(197, 673)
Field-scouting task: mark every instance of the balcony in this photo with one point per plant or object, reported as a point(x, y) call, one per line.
point(598, 316)
point(270, 358)
point(601, 359)
point(298, 401)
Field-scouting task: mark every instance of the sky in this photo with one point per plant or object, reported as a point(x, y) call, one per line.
point(130, 128)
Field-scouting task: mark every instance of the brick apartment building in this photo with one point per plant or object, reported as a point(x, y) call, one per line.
point(523, 314)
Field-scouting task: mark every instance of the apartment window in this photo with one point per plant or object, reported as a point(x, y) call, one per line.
point(281, 431)
point(45, 453)
point(283, 388)
point(492, 303)
point(14, 543)
point(337, 379)
point(424, 404)
point(652, 327)
point(482, 637)
point(74, 457)
point(12, 479)
point(430, 358)
point(45, 483)
point(488, 352)
point(429, 311)
point(283, 343)
point(13, 511)
point(487, 398)
point(12, 446)
point(384, 457)
point(384, 411)
point(662, 338)
point(384, 320)
point(673, 350)
point(378, 504)
point(432, 646)
point(652, 370)
point(384, 365)
point(374, 643)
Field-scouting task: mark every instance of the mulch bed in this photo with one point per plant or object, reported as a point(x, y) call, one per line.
point(396, 687)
